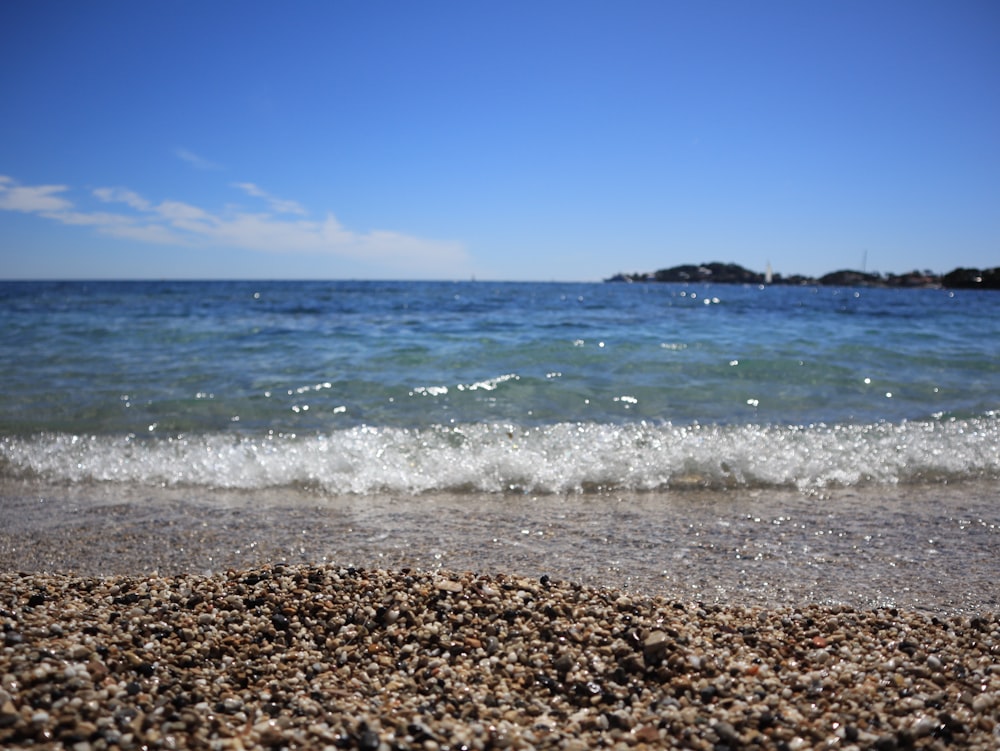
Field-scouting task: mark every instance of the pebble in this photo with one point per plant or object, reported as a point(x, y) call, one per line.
point(298, 656)
point(655, 646)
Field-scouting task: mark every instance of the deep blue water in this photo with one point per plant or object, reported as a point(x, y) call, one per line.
point(413, 386)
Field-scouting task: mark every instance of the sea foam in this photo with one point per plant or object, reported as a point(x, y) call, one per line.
point(502, 458)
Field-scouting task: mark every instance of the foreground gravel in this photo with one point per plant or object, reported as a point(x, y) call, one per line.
point(314, 657)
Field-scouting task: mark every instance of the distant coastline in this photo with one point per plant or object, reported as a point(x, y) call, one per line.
point(731, 273)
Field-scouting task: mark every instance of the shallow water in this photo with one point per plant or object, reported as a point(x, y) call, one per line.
point(368, 387)
point(931, 548)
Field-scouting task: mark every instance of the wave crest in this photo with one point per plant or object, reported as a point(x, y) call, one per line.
point(498, 458)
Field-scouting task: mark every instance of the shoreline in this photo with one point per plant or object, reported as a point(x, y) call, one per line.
point(929, 548)
point(322, 656)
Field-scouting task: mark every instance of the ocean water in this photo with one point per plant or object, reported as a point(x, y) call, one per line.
point(502, 388)
point(721, 443)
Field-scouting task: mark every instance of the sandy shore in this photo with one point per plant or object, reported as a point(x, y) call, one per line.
point(313, 657)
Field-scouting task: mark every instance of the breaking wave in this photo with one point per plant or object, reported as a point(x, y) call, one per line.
point(505, 458)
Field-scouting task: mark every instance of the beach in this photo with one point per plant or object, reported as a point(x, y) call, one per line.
point(297, 656)
point(686, 619)
point(437, 515)
point(499, 376)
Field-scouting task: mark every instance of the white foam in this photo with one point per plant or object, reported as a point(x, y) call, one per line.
point(560, 458)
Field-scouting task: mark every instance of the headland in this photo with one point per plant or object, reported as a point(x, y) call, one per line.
point(731, 273)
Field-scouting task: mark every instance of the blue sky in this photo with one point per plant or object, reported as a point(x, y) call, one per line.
point(516, 140)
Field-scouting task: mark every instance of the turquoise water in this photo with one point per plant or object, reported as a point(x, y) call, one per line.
point(364, 387)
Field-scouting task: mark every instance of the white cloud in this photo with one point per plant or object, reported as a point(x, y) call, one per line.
point(178, 223)
point(185, 216)
point(251, 189)
point(122, 195)
point(194, 160)
point(147, 233)
point(279, 205)
point(14, 197)
point(333, 233)
point(99, 219)
point(283, 206)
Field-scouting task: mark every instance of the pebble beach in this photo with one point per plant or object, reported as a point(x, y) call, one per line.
point(300, 656)
point(247, 623)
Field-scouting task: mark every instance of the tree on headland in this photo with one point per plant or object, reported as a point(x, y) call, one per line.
point(972, 279)
point(731, 273)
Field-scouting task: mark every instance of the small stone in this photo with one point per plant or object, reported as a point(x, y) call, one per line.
point(269, 733)
point(8, 714)
point(983, 702)
point(647, 734)
point(726, 732)
point(368, 740)
point(923, 727)
point(654, 647)
point(280, 622)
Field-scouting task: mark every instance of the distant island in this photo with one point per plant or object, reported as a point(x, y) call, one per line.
point(731, 273)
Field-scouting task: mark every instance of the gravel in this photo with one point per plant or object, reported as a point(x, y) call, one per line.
point(305, 656)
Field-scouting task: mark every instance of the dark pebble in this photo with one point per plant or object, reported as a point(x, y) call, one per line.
point(280, 622)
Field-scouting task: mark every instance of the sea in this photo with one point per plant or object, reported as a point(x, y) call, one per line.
point(569, 417)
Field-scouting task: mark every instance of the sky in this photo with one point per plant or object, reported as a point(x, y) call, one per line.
point(556, 140)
